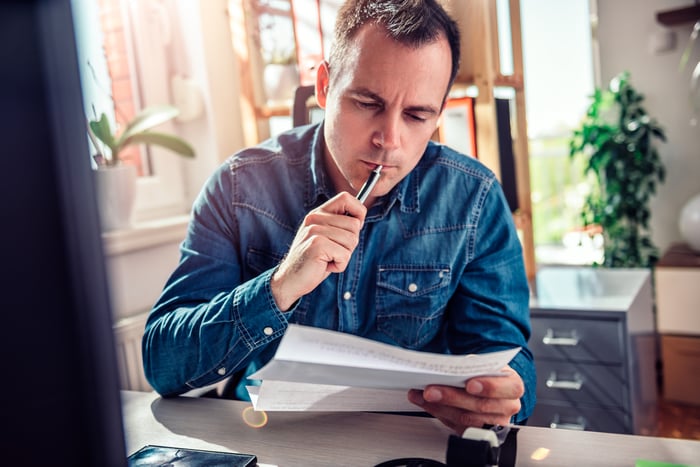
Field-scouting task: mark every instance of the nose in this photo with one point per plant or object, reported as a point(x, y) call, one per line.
point(387, 135)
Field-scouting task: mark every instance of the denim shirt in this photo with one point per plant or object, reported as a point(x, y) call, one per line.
point(438, 267)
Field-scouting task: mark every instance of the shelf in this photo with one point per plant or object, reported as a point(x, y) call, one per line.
point(679, 15)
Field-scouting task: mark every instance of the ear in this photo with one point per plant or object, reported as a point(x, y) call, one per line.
point(322, 80)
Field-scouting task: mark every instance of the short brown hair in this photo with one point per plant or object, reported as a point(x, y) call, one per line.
point(410, 22)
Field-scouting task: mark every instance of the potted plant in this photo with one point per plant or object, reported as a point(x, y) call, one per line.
point(115, 180)
point(137, 131)
point(617, 140)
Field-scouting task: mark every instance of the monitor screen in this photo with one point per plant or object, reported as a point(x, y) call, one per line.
point(60, 395)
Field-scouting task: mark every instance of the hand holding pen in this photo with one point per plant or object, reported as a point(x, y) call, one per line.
point(323, 245)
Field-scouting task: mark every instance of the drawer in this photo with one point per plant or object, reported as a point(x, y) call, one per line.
point(578, 339)
point(581, 383)
point(580, 418)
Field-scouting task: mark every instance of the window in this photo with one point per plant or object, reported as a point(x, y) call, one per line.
point(559, 78)
point(119, 78)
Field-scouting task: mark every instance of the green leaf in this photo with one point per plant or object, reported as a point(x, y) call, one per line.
point(102, 131)
point(616, 140)
point(170, 142)
point(146, 119)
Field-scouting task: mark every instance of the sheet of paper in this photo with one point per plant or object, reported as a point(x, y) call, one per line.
point(281, 396)
point(319, 356)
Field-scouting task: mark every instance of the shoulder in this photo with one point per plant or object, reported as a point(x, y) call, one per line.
point(292, 146)
point(440, 161)
point(274, 162)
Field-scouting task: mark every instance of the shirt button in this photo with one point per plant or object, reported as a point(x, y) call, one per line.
point(412, 287)
point(268, 331)
point(221, 371)
point(347, 296)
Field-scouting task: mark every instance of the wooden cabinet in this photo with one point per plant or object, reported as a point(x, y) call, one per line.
point(594, 345)
point(677, 277)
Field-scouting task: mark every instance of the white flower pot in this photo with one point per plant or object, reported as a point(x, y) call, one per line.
point(116, 193)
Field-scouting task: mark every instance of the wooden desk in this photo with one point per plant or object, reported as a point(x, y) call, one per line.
point(363, 439)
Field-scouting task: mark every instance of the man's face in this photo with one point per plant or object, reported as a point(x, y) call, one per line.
point(382, 104)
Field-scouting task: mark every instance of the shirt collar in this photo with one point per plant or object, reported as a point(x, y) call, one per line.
point(318, 186)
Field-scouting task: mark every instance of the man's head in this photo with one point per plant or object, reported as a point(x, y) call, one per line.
point(384, 88)
point(410, 22)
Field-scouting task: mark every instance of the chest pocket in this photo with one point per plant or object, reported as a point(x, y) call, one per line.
point(410, 303)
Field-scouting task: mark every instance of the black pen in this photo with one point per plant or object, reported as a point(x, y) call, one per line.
point(369, 184)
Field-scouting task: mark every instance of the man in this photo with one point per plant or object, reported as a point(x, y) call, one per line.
point(433, 263)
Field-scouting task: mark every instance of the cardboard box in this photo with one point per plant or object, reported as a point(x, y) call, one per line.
point(678, 292)
point(680, 356)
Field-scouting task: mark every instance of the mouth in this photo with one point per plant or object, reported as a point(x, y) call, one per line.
point(373, 165)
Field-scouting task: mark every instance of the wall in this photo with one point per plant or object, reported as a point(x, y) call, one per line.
point(625, 29)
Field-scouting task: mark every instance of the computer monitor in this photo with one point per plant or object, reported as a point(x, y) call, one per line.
point(60, 394)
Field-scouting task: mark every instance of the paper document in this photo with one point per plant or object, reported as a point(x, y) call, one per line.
point(284, 396)
point(330, 368)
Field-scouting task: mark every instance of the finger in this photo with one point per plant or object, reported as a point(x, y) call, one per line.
point(456, 418)
point(329, 253)
point(509, 386)
point(459, 399)
point(345, 204)
point(342, 229)
point(324, 240)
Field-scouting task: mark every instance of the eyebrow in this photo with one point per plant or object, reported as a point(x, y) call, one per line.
point(364, 92)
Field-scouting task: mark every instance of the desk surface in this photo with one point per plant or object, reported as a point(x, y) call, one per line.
point(363, 439)
point(587, 288)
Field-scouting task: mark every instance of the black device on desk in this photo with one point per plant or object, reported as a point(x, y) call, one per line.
point(168, 456)
point(489, 446)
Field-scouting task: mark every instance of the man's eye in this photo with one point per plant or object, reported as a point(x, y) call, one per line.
point(416, 118)
point(367, 105)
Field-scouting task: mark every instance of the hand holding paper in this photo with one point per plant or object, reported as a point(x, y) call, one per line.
point(322, 370)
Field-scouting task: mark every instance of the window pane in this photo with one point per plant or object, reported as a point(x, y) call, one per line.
point(505, 40)
point(558, 66)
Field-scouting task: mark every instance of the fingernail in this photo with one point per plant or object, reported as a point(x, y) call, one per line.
point(432, 395)
point(475, 387)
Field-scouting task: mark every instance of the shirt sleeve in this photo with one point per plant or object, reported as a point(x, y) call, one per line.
point(490, 309)
point(208, 323)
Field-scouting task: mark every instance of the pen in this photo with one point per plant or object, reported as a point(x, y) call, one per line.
point(369, 184)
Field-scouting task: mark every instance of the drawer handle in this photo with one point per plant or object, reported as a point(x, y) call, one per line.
point(579, 425)
point(550, 339)
point(554, 383)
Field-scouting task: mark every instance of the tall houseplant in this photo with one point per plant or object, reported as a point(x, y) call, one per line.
point(617, 139)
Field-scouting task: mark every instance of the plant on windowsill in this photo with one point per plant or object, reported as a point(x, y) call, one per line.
point(137, 131)
point(616, 139)
point(116, 180)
